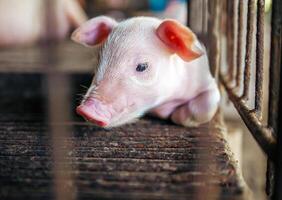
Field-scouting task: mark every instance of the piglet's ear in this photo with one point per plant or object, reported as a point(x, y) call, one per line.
point(94, 31)
point(180, 40)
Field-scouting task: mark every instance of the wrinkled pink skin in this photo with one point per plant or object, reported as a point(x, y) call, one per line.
point(185, 92)
point(23, 22)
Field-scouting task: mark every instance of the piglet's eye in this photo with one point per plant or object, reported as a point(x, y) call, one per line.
point(142, 67)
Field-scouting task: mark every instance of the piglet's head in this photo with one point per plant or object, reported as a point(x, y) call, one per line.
point(136, 70)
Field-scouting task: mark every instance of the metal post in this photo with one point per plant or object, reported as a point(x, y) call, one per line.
point(58, 108)
point(275, 66)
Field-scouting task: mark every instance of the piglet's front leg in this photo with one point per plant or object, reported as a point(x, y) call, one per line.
point(197, 111)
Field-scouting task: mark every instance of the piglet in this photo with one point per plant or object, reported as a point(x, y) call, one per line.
point(146, 65)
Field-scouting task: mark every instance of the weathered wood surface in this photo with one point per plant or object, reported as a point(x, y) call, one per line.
point(70, 58)
point(148, 160)
point(151, 159)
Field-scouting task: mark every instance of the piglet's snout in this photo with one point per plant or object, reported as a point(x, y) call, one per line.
point(95, 111)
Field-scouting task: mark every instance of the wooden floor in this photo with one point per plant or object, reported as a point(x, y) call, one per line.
point(150, 159)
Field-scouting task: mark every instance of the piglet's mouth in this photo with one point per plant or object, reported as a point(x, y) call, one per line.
point(92, 111)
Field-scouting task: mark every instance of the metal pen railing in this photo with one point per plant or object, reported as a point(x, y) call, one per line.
point(263, 133)
point(236, 78)
point(238, 73)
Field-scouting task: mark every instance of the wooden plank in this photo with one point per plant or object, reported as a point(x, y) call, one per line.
point(150, 159)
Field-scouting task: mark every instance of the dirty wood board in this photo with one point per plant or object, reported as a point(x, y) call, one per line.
point(151, 159)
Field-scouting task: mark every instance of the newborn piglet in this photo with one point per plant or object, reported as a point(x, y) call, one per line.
point(146, 65)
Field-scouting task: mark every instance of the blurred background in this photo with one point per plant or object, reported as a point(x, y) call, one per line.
point(39, 20)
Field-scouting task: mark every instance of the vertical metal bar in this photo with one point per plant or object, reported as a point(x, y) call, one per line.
point(234, 6)
point(57, 101)
point(58, 92)
point(274, 71)
point(239, 43)
point(188, 13)
point(275, 104)
point(229, 41)
point(249, 47)
point(204, 16)
point(195, 17)
point(278, 167)
point(214, 39)
point(51, 21)
point(270, 178)
point(259, 57)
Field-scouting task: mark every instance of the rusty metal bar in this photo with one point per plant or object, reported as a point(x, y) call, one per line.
point(213, 35)
point(270, 175)
point(274, 70)
point(240, 27)
point(263, 135)
point(230, 38)
point(233, 23)
point(249, 45)
point(259, 57)
point(275, 93)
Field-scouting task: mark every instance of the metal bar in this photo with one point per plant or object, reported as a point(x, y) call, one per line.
point(262, 134)
point(270, 175)
point(58, 96)
point(218, 15)
point(274, 69)
point(231, 44)
point(58, 100)
point(239, 43)
point(278, 167)
point(249, 45)
point(213, 35)
point(204, 17)
point(195, 17)
point(188, 13)
point(275, 106)
point(259, 57)
point(228, 36)
point(232, 32)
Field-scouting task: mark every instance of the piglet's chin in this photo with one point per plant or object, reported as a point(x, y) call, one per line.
point(94, 112)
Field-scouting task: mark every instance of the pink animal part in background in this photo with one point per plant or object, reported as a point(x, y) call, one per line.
point(25, 22)
point(147, 65)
